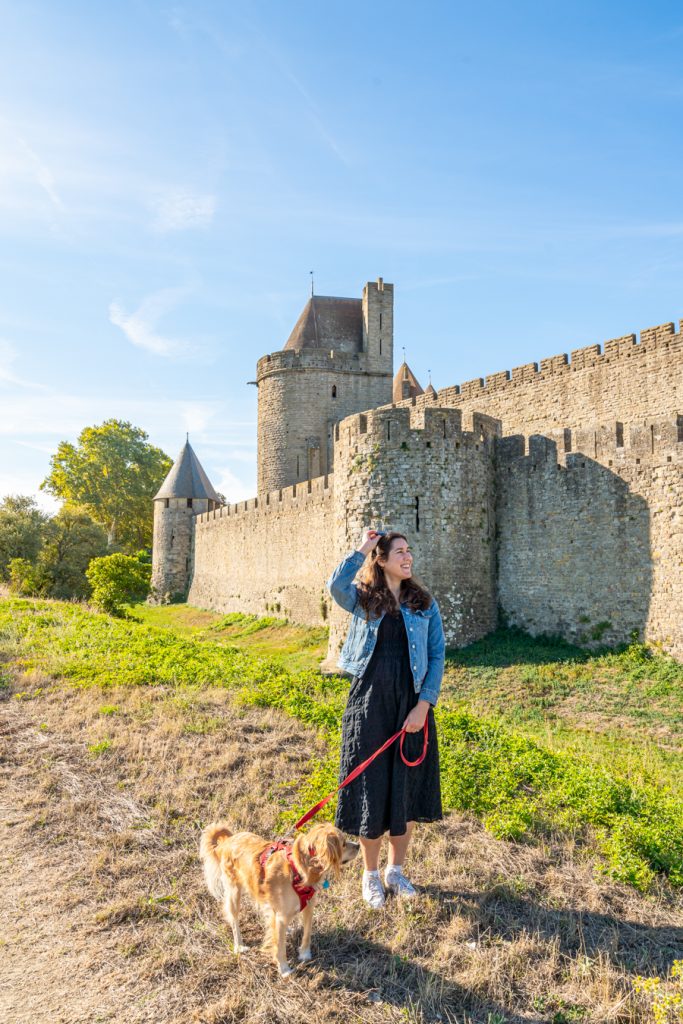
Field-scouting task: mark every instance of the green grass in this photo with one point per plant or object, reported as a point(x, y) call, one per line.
point(498, 763)
point(297, 647)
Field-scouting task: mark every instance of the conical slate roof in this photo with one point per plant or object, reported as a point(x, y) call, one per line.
point(430, 389)
point(187, 478)
point(328, 322)
point(406, 384)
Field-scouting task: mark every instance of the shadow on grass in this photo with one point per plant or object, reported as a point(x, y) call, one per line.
point(502, 914)
point(509, 646)
point(348, 960)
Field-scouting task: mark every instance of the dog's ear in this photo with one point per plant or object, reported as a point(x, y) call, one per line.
point(306, 853)
point(329, 848)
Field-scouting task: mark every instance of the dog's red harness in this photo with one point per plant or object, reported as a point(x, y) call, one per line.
point(304, 892)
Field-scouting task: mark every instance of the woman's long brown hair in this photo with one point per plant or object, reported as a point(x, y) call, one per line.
point(374, 595)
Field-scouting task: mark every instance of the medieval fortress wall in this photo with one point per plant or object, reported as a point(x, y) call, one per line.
point(627, 380)
point(553, 492)
point(268, 555)
point(590, 528)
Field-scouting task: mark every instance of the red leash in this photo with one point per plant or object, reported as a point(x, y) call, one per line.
point(361, 768)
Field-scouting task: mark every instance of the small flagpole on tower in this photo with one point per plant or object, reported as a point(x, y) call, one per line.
point(312, 283)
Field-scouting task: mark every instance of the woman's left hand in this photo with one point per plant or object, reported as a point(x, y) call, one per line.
point(416, 718)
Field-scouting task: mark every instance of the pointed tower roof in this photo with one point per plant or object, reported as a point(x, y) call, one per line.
point(406, 384)
point(187, 478)
point(328, 322)
point(430, 390)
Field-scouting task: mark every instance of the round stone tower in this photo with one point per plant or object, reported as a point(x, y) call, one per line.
point(185, 493)
point(416, 471)
point(338, 360)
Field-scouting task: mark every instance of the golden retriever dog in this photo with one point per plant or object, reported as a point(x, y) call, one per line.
point(243, 862)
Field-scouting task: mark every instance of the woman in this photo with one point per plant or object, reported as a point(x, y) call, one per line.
point(395, 650)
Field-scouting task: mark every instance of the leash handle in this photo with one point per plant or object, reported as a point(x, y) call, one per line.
point(359, 769)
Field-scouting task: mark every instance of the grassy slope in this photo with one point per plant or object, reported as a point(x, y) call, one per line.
point(496, 909)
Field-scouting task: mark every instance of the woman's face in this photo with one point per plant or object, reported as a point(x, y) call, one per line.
point(399, 561)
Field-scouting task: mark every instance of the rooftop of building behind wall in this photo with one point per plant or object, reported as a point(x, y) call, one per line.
point(328, 322)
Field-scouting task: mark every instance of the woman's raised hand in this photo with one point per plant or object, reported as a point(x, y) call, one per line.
point(370, 541)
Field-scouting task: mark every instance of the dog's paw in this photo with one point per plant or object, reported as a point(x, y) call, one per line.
point(286, 970)
point(242, 949)
point(305, 955)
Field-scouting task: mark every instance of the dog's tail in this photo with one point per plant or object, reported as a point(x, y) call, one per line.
point(211, 837)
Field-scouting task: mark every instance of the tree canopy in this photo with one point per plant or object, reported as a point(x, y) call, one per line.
point(112, 473)
point(22, 530)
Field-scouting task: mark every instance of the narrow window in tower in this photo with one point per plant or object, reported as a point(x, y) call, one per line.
point(334, 390)
point(652, 438)
point(380, 346)
point(380, 321)
point(166, 503)
point(444, 428)
point(417, 514)
point(388, 430)
point(189, 502)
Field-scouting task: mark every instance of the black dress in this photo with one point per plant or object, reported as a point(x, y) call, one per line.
point(388, 794)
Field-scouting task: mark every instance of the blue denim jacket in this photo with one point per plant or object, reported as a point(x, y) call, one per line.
point(424, 629)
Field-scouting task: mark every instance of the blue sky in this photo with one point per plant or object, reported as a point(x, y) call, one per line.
point(169, 174)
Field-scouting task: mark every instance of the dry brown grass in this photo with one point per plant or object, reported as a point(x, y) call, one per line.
point(105, 917)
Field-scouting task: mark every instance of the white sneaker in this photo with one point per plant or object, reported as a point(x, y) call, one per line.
point(396, 882)
point(373, 890)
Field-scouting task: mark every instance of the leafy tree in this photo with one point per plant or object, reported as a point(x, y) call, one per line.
point(112, 473)
point(24, 577)
point(22, 530)
point(73, 540)
point(117, 579)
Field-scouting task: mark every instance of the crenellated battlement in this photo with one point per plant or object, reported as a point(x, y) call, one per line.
point(659, 339)
point(305, 493)
point(604, 442)
point(396, 426)
point(331, 360)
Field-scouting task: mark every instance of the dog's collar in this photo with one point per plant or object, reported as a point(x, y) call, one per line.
point(304, 892)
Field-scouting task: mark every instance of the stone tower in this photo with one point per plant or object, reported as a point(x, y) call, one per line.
point(338, 360)
point(185, 493)
point(417, 471)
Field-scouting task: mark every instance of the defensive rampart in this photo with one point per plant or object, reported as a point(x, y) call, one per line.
point(267, 555)
point(590, 527)
point(628, 380)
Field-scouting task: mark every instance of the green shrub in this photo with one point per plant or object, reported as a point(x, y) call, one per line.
point(117, 580)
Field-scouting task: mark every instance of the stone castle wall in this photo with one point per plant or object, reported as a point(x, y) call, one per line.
point(591, 533)
point(624, 380)
point(420, 473)
point(268, 555)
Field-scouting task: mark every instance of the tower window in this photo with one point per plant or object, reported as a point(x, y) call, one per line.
point(380, 346)
point(166, 503)
point(189, 502)
point(417, 514)
point(334, 390)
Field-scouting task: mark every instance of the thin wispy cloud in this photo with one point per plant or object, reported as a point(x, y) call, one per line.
point(181, 209)
point(140, 327)
point(41, 174)
point(8, 356)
